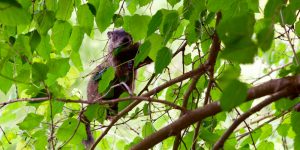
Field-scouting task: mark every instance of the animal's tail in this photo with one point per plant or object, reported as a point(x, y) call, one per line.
point(90, 139)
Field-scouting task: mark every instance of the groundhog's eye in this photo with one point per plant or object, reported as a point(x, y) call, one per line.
point(115, 38)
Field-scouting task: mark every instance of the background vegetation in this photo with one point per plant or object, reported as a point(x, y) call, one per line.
point(225, 74)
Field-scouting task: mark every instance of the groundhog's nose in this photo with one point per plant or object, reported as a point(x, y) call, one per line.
point(126, 40)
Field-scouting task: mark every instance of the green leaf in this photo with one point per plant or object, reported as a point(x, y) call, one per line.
point(107, 76)
point(208, 136)
point(45, 20)
point(143, 52)
point(267, 131)
point(44, 48)
point(39, 71)
point(230, 72)
point(85, 18)
point(57, 107)
point(156, 44)
point(173, 2)
point(297, 144)
point(65, 9)
point(170, 23)
point(253, 5)
point(193, 8)
point(67, 130)
point(193, 32)
point(40, 139)
point(13, 14)
point(217, 5)
point(105, 13)
point(58, 67)
point(135, 141)
point(171, 93)
point(285, 104)
point(31, 122)
point(215, 94)
point(144, 2)
point(265, 145)
point(297, 28)
point(246, 106)
point(283, 129)
point(187, 140)
point(51, 5)
point(35, 39)
point(295, 3)
point(122, 105)
point(137, 30)
point(265, 34)
point(22, 46)
point(76, 38)
point(155, 22)
point(295, 119)
point(148, 129)
point(60, 34)
point(233, 29)
point(288, 15)
point(272, 9)
point(76, 59)
point(5, 76)
point(95, 112)
point(233, 95)
point(118, 20)
point(146, 109)
point(163, 59)
point(187, 59)
point(131, 5)
point(242, 51)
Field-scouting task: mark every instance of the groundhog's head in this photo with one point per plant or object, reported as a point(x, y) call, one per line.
point(118, 39)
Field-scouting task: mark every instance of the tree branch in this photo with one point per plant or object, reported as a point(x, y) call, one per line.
point(267, 88)
point(258, 107)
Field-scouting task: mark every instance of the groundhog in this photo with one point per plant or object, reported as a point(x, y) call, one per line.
point(121, 52)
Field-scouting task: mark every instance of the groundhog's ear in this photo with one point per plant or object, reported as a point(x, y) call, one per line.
point(109, 34)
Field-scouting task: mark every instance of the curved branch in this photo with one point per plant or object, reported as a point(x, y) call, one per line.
point(267, 88)
point(258, 107)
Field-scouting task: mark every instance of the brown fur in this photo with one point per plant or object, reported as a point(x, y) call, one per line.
point(123, 64)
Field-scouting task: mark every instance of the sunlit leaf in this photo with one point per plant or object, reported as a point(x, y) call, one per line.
point(107, 76)
point(65, 9)
point(104, 14)
point(137, 30)
point(144, 50)
point(10, 10)
point(265, 34)
point(76, 38)
point(85, 18)
point(61, 33)
point(154, 22)
point(31, 122)
point(163, 58)
point(95, 112)
point(297, 28)
point(71, 128)
point(148, 129)
point(233, 95)
point(45, 21)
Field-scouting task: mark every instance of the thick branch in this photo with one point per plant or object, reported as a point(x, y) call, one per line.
point(270, 87)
